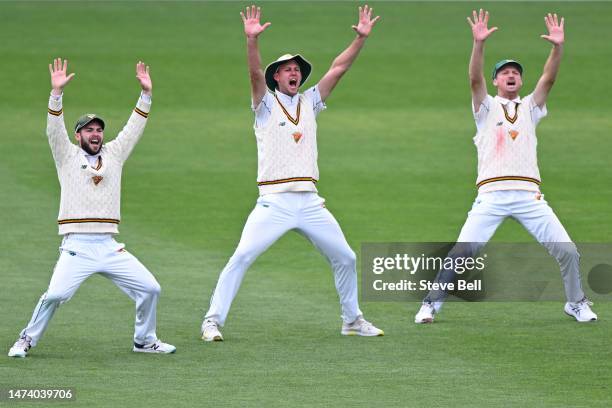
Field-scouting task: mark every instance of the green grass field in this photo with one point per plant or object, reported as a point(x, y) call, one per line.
point(397, 164)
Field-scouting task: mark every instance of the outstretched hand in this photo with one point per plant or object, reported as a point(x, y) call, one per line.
point(555, 29)
point(59, 79)
point(143, 77)
point(366, 22)
point(479, 23)
point(250, 18)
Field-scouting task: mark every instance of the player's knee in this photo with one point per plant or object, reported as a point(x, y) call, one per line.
point(463, 250)
point(153, 288)
point(567, 251)
point(348, 259)
point(56, 296)
point(243, 257)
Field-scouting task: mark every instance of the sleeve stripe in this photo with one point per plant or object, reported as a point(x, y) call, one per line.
point(141, 113)
point(54, 112)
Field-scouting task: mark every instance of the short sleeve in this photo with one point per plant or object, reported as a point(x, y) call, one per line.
point(313, 95)
point(263, 110)
point(480, 117)
point(537, 112)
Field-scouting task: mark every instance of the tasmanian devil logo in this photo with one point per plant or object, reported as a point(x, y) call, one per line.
point(297, 136)
point(513, 134)
point(97, 179)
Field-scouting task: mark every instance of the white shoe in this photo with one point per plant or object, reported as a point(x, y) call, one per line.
point(21, 347)
point(426, 313)
point(361, 327)
point(581, 311)
point(158, 347)
point(210, 331)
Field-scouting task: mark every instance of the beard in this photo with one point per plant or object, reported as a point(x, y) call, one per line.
point(92, 150)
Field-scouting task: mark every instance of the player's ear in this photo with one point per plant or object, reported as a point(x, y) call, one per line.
point(495, 82)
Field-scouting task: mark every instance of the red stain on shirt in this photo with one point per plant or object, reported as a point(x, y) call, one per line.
point(499, 141)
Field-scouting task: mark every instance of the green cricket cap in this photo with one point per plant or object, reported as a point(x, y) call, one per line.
point(501, 64)
point(85, 120)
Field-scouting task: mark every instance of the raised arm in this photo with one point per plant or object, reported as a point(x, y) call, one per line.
point(343, 62)
point(125, 142)
point(252, 29)
point(555, 36)
point(480, 33)
point(56, 128)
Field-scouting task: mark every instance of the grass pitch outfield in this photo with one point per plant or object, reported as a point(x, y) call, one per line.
point(397, 164)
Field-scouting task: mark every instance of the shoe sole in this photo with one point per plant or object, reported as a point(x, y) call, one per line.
point(424, 321)
point(135, 350)
point(580, 321)
point(354, 333)
point(17, 355)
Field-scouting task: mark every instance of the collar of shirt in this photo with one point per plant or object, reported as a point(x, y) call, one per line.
point(91, 159)
point(287, 100)
point(505, 101)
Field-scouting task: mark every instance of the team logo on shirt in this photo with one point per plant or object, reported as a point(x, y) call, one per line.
point(97, 179)
point(297, 136)
point(282, 124)
point(513, 133)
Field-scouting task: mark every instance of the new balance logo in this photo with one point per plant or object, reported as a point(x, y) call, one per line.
point(282, 124)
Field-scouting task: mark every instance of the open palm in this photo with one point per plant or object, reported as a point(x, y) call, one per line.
point(555, 28)
point(58, 70)
point(250, 18)
point(143, 77)
point(479, 24)
point(366, 22)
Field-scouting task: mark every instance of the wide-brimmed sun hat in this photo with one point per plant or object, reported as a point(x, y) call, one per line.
point(305, 68)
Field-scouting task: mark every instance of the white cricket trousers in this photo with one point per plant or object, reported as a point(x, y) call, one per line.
point(532, 212)
point(82, 255)
point(272, 217)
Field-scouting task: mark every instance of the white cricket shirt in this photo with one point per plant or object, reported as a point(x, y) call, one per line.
point(507, 145)
point(286, 133)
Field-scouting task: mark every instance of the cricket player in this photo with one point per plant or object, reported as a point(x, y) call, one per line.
point(286, 133)
point(508, 175)
point(90, 179)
